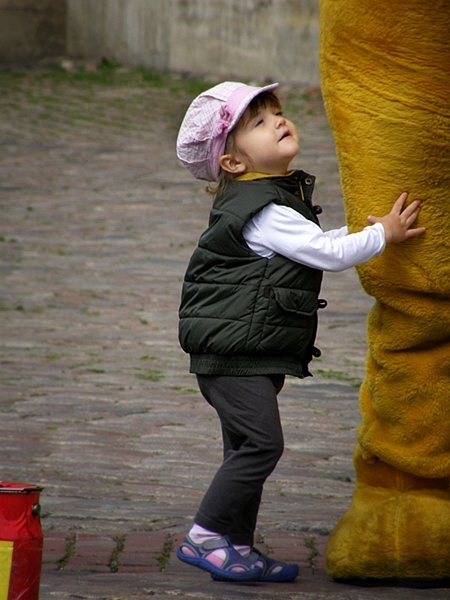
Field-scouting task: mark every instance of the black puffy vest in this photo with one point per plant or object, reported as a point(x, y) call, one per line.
point(240, 313)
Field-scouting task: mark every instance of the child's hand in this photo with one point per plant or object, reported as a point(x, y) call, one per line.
point(398, 222)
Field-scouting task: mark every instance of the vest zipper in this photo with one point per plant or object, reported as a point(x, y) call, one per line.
point(301, 191)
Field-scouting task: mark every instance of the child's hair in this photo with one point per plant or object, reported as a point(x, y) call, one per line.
point(263, 100)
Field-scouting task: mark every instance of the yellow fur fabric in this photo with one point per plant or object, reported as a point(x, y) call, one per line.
point(397, 527)
point(386, 84)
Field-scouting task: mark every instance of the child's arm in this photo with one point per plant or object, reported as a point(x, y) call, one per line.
point(282, 230)
point(398, 222)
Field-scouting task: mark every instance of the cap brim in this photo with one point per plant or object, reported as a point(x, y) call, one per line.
point(248, 98)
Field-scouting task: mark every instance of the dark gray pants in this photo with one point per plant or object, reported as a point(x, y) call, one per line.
point(253, 444)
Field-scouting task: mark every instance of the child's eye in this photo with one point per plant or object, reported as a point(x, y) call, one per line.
point(258, 122)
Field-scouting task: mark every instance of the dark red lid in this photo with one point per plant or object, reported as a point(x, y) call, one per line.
point(14, 487)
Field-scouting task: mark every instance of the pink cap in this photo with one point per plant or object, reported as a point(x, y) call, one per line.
point(207, 123)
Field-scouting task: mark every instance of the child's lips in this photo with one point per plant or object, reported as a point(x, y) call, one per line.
point(286, 134)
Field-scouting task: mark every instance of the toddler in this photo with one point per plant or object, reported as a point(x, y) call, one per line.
point(248, 314)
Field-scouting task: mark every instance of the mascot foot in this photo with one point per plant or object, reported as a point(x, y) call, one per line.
point(397, 529)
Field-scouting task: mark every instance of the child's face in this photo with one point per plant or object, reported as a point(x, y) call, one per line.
point(267, 140)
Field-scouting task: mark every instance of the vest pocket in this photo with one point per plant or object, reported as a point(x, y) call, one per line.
point(300, 302)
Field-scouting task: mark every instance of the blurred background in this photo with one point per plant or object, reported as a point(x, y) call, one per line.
point(248, 39)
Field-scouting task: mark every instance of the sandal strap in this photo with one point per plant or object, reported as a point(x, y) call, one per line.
point(216, 544)
point(257, 555)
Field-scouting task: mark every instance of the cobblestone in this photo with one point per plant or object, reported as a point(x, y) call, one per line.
point(97, 406)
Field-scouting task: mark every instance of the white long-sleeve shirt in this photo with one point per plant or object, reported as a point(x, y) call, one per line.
point(282, 230)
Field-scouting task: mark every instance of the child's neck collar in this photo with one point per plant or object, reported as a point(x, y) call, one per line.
point(252, 175)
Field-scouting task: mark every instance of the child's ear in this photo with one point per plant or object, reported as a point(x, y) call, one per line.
point(232, 164)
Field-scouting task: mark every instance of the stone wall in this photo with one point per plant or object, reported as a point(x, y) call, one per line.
point(31, 30)
point(249, 39)
point(134, 32)
point(252, 39)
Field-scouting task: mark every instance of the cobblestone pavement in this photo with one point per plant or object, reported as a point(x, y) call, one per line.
point(98, 221)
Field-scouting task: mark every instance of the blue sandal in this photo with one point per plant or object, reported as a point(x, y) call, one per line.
point(197, 554)
point(286, 574)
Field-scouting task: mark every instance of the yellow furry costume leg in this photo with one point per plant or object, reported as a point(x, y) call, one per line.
point(386, 84)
